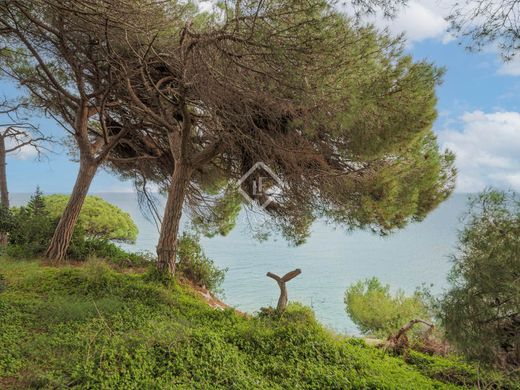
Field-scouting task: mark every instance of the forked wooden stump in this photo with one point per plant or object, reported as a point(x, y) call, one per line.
point(282, 301)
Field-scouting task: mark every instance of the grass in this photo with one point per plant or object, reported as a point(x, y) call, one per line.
point(92, 327)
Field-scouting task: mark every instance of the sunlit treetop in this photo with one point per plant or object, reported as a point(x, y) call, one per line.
point(98, 218)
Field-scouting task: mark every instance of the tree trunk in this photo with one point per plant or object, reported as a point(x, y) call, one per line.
point(406, 327)
point(62, 235)
point(167, 245)
point(4, 194)
point(398, 342)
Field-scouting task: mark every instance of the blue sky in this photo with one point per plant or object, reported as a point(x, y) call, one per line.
point(479, 113)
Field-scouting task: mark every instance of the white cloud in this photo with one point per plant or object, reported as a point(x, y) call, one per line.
point(419, 20)
point(487, 149)
point(426, 19)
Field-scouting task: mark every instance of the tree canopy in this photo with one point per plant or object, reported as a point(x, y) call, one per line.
point(376, 311)
point(192, 101)
point(98, 218)
point(338, 111)
point(481, 311)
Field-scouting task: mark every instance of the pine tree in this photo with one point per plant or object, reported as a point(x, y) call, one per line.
point(36, 205)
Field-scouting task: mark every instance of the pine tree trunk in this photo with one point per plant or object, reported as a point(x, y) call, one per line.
point(63, 234)
point(167, 245)
point(4, 194)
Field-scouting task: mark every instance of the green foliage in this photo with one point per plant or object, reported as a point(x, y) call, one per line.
point(454, 370)
point(195, 265)
point(6, 220)
point(154, 274)
point(219, 218)
point(2, 283)
point(407, 188)
point(98, 218)
point(32, 226)
point(375, 311)
point(31, 229)
point(93, 327)
point(372, 133)
point(481, 311)
point(83, 248)
point(355, 105)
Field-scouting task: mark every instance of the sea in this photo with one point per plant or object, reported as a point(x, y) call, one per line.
point(330, 260)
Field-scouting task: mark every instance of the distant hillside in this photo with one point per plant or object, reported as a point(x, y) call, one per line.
point(90, 326)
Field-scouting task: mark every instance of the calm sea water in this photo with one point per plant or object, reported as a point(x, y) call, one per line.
point(330, 260)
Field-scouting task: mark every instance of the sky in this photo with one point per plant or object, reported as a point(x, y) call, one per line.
point(479, 113)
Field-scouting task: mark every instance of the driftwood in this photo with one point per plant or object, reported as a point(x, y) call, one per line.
point(398, 342)
point(282, 301)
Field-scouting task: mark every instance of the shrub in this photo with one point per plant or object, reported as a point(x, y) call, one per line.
point(6, 219)
point(453, 369)
point(481, 311)
point(376, 311)
point(32, 226)
point(84, 248)
point(195, 265)
point(31, 229)
point(3, 283)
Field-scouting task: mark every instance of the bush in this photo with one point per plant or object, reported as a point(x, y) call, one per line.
point(31, 228)
point(195, 266)
point(376, 311)
point(481, 311)
point(3, 283)
point(6, 219)
point(453, 369)
point(84, 248)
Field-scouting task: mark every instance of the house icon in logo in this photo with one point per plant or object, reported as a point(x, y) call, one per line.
point(259, 187)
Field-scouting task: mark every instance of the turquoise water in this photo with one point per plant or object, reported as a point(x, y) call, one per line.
point(330, 260)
